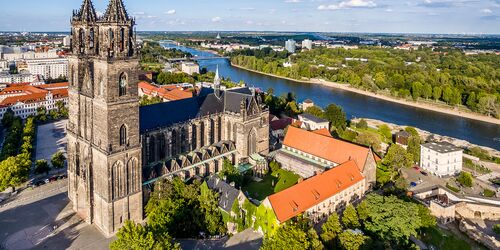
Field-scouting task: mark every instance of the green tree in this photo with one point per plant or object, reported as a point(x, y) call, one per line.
point(137, 237)
point(41, 114)
point(466, 179)
point(416, 90)
point(42, 166)
point(414, 148)
point(210, 208)
point(369, 139)
point(350, 218)
point(427, 91)
point(58, 160)
point(8, 118)
point(330, 231)
point(487, 105)
point(362, 124)
point(426, 218)
point(412, 131)
point(336, 116)
point(14, 171)
point(471, 101)
point(352, 240)
point(396, 158)
point(437, 92)
point(389, 218)
point(274, 166)
point(385, 131)
point(314, 110)
point(289, 236)
point(231, 173)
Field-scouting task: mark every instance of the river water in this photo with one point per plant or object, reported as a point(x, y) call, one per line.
point(357, 105)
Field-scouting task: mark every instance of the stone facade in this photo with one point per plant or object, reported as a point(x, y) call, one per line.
point(104, 150)
point(116, 149)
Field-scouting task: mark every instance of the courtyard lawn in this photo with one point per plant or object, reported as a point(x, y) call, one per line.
point(282, 179)
point(443, 239)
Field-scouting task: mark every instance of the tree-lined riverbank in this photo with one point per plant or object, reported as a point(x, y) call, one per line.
point(420, 105)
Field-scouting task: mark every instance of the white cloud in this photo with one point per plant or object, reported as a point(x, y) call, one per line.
point(348, 5)
point(293, 1)
point(216, 19)
point(170, 12)
point(139, 13)
point(486, 11)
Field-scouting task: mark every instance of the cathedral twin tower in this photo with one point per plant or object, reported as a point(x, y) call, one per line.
point(104, 151)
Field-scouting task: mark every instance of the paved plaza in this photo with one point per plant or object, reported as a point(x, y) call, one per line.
point(51, 138)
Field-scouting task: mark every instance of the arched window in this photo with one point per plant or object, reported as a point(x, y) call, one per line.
point(123, 135)
point(194, 137)
point(123, 85)
point(81, 41)
point(91, 38)
point(111, 37)
point(252, 143)
point(122, 39)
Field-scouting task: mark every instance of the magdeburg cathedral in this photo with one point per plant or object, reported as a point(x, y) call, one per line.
point(117, 150)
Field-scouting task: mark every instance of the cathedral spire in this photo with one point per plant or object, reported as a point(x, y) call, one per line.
point(217, 82)
point(116, 12)
point(86, 13)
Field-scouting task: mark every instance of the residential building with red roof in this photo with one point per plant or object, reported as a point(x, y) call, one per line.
point(321, 195)
point(24, 100)
point(309, 153)
point(167, 93)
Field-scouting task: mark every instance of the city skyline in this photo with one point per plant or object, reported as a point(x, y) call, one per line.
point(423, 16)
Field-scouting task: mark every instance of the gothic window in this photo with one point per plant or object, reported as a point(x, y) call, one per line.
point(185, 139)
point(123, 85)
point(202, 134)
point(118, 177)
point(212, 131)
point(91, 38)
point(133, 175)
point(161, 146)
point(174, 142)
point(228, 127)
point(194, 137)
point(252, 143)
point(219, 129)
point(122, 39)
point(131, 43)
point(235, 132)
point(123, 135)
point(111, 37)
point(81, 41)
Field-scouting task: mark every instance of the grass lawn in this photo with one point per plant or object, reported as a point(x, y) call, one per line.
point(282, 179)
point(443, 239)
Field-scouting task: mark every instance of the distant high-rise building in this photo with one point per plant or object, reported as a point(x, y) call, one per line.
point(218, 36)
point(290, 45)
point(67, 41)
point(307, 44)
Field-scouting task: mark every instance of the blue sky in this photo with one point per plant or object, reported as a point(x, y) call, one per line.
point(419, 16)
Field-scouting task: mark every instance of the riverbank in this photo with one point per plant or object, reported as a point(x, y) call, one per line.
point(420, 105)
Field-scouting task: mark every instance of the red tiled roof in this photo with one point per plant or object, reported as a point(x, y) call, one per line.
point(325, 147)
point(323, 131)
point(169, 92)
point(305, 195)
point(54, 85)
point(26, 89)
point(31, 98)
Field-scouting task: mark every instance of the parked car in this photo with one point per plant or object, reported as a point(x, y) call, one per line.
point(416, 168)
point(413, 184)
point(424, 173)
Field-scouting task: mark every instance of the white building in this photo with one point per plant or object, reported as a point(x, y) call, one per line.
point(67, 41)
point(307, 44)
point(16, 78)
point(441, 158)
point(48, 68)
point(319, 196)
point(290, 45)
point(190, 68)
point(4, 65)
point(311, 122)
point(25, 106)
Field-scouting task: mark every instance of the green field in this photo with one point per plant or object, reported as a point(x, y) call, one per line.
point(282, 179)
point(443, 239)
